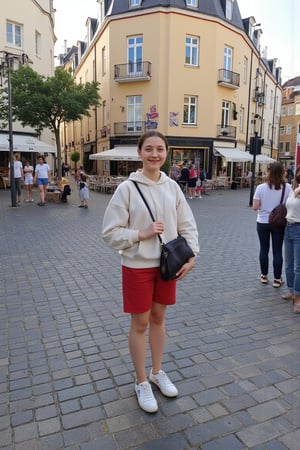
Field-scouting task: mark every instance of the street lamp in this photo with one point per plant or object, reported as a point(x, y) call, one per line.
point(6, 65)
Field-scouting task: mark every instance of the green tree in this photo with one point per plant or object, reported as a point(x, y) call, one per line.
point(46, 102)
point(75, 157)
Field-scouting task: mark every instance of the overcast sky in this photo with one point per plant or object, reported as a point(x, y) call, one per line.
point(281, 34)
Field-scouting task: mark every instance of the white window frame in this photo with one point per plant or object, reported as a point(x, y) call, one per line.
point(281, 130)
point(38, 43)
point(229, 9)
point(104, 60)
point(134, 113)
point(227, 61)
point(289, 129)
point(287, 148)
point(135, 54)
point(283, 111)
point(290, 111)
point(190, 106)
point(241, 119)
point(192, 50)
point(16, 34)
point(192, 3)
point(134, 3)
point(245, 70)
point(225, 120)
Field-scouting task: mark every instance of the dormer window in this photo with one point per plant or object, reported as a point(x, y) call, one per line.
point(229, 8)
point(192, 3)
point(134, 3)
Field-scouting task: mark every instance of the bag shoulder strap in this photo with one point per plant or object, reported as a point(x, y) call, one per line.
point(146, 203)
point(282, 194)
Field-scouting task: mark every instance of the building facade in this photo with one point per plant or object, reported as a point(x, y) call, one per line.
point(290, 122)
point(27, 37)
point(192, 69)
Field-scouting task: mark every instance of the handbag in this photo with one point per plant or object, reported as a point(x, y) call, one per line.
point(174, 254)
point(278, 214)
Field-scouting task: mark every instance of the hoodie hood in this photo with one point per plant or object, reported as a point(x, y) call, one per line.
point(140, 178)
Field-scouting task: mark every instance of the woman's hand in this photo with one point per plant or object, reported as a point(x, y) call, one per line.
point(184, 270)
point(297, 192)
point(151, 231)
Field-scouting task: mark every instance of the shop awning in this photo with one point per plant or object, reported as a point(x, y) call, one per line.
point(264, 159)
point(25, 143)
point(232, 154)
point(117, 154)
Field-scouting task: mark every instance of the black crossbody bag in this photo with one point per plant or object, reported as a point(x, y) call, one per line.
point(174, 254)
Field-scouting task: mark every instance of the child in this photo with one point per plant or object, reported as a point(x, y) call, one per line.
point(83, 191)
point(198, 188)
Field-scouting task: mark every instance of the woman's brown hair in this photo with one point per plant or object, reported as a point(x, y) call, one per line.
point(275, 176)
point(149, 134)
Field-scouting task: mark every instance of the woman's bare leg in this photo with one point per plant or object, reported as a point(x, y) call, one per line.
point(137, 344)
point(157, 335)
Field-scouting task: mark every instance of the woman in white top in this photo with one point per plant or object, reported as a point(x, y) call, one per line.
point(41, 177)
point(28, 180)
point(292, 244)
point(266, 197)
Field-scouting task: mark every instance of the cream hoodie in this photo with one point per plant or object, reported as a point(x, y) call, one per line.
point(126, 214)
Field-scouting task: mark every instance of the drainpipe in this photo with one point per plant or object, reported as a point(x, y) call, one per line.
point(249, 97)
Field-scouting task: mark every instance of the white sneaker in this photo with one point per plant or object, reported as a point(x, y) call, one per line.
point(163, 382)
point(145, 397)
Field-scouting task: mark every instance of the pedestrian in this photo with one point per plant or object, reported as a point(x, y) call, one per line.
point(18, 177)
point(184, 177)
point(128, 228)
point(41, 178)
point(266, 197)
point(192, 181)
point(79, 171)
point(198, 189)
point(292, 244)
point(28, 180)
point(83, 191)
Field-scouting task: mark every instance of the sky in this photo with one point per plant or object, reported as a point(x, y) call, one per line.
point(278, 18)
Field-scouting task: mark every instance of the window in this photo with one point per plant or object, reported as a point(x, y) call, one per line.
point(190, 110)
point(134, 113)
point(283, 111)
point(245, 70)
point(135, 54)
point(192, 3)
point(104, 112)
point(271, 98)
point(281, 130)
point(297, 109)
point(103, 61)
point(133, 3)
point(287, 147)
point(38, 39)
point(241, 119)
point(225, 114)
point(290, 111)
point(101, 12)
point(289, 129)
point(192, 51)
point(227, 63)
point(229, 8)
point(14, 34)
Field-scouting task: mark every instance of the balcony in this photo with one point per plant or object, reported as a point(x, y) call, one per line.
point(129, 128)
point(226, 131)
point(229, 79)
point(128, 73)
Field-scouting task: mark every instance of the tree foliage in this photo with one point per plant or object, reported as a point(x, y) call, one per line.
point(46, 102)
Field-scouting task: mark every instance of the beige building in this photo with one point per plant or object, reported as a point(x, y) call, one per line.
point(290, 121)
point(193, 70)
point(27, 37)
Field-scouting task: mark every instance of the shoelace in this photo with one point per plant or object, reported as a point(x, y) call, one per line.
point(147, 391)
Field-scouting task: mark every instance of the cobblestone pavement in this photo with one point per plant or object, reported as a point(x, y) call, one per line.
point(66, 378)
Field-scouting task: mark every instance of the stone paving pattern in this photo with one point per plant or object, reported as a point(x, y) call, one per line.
point(66, 377)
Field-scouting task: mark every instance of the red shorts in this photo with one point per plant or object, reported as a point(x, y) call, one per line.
point(143, 287)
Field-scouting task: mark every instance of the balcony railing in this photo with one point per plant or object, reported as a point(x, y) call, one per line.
point(229, 79)
point(138, 71)
point(226, 131)
point(129, 128)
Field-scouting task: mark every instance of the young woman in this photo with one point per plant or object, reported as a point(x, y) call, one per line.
point(28, 180)
point(266, 197)
point(128, 228)
point(18, 177)
point(292, 244)
point(41, 177)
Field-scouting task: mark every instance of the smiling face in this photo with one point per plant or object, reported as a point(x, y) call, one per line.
point(153, 153)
